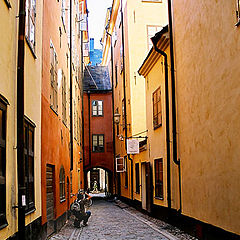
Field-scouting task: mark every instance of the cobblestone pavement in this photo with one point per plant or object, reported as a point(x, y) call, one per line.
point(117, 221)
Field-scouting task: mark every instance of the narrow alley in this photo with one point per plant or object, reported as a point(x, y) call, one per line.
point(116, 220)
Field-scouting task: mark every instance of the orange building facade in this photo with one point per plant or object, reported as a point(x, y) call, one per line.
point(62, 169)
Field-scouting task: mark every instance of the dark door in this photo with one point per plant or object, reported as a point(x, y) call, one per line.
point(68, 193)
point(149, 186)
point(50, 199)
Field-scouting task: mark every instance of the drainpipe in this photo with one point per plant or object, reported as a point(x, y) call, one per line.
point(124, 93)
point(89, 130)
point(114, 150)
point(129, 157)
point(20, 122)
point(71, 91)
point(124, 78)
point(167, 120)
point(175, 159)
point(82, 65)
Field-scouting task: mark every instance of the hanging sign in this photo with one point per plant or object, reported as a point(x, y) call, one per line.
point(132, 146)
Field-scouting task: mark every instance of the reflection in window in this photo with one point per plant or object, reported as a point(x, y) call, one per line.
point(3, 110)
point(62, 183)
point(29, 164)
point(98, 142)
point(31, 22)
point(97, 108)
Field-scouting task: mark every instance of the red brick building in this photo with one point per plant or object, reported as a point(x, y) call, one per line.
point(98, 126)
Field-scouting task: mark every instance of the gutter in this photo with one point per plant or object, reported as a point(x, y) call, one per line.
point(71, 92)
point(20, 121)
point(175, 159)
point(124, 94)
point(155, 41)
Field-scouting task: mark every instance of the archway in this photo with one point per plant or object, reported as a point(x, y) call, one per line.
point(98, 181)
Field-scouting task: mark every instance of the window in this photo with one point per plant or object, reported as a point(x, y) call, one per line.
point(29, 164)
point(71, 190)
point(137, 178)
point(126, 172)
point(30, 22)
point(54, 75)
point(116, 75)
point(98, 142)
point(64, 99)
point(8, 3)
point(123, 113)
point(238, 12)
point(62, 184)
point(97, 108)
point(64, 12)
point(151, 31)
point(157, 109)
point(159, 178)
point(3, 112)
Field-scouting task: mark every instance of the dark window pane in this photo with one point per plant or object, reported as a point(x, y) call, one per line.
point(1, 123)
point(2, 162)
point(30, 141)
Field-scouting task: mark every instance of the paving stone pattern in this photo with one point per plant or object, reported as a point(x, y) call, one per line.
point(114, 221)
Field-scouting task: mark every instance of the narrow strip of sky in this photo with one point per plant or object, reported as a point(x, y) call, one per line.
point(96, 19)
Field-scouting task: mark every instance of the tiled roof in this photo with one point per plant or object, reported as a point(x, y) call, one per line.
point(96, 78)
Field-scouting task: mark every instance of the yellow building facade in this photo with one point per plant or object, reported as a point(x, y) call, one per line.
point(207, 95)
point(165, 192)
point(32, 123)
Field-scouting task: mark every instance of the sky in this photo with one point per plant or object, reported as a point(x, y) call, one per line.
point(96, 18)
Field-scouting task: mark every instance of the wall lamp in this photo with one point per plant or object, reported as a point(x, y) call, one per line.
point(117, 120)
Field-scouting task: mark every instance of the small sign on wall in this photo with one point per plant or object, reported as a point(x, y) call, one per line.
point(132, 146)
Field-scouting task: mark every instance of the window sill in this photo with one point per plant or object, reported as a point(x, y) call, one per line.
point(159, 198)
point(31, 49)
point(156, 127)
point(30, 211)
point(3, 225)
point(152, 1)
point(64, 123)
point(238, 23)
point(62, 200)
point(8, 3)
point(53, 110)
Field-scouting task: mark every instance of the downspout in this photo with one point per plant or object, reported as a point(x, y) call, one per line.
point(167, 120)
point(71, 91)
point(129, 157)
point(82, 65)
point(89, 130)
point(114, 150)
point(124, 78)
point(124, 93)
point(175, 159)
point(20, 122)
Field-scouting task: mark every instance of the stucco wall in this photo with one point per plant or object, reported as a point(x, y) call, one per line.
point(99, 125)
point(207, 44)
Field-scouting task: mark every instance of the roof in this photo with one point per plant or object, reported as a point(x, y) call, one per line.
point(96, 78)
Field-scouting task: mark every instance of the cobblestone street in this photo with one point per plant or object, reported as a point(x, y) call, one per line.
point(109, 221)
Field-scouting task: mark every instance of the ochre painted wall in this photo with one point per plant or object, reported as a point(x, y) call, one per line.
point(207, 45)
point(8, 89)
point(55, 133)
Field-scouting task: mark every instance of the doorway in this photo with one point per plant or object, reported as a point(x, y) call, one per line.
point(146, 176)
point(50, 199)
